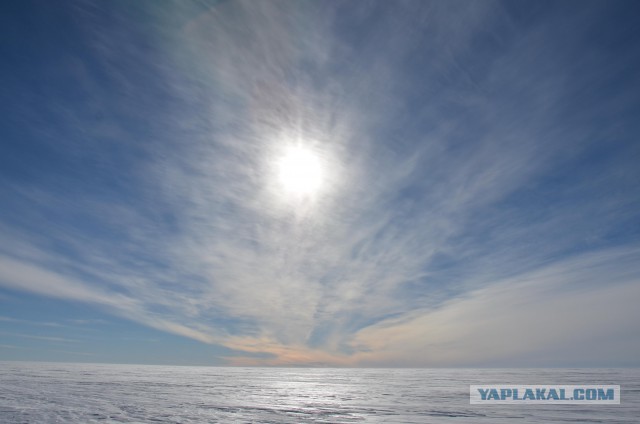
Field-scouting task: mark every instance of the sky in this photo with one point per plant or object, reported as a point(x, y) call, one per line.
point(301, 183)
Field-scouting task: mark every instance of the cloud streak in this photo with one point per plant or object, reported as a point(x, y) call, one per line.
point(560, 314)
point(455, 203)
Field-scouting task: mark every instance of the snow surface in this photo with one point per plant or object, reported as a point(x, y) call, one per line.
point(90, 393)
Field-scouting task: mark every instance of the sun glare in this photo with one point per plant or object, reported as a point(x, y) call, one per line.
point(300, 171)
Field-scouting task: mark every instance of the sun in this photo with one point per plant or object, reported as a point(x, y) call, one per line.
point(300, 171)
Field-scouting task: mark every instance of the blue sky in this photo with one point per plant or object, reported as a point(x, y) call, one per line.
point(475, 200)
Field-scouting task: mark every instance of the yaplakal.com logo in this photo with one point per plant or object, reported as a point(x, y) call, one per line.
point(567, 394)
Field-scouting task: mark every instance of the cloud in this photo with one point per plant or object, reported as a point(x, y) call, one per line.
point(32, 278)
point(88, 321)
point(579, 311)
point(23, 321)
point(6, 346)
point(453, 161)
point(39, 337)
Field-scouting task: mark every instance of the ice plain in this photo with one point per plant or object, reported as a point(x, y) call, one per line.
point(92, 393)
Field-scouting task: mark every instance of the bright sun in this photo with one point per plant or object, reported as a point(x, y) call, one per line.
point(300, 171)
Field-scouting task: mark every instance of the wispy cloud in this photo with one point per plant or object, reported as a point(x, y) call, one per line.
point(73, 352)
point(6, 346)
point(32, 278)
point(455, 198)
point(578, 311)
point(88, 321)
point(39, 337)
point(24, 321)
